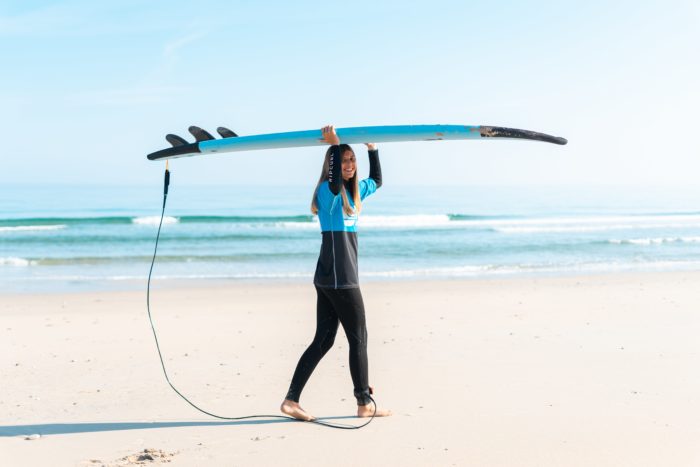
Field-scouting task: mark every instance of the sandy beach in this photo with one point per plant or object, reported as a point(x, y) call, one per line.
point(569, 371)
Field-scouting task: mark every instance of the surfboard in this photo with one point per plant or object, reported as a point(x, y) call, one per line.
point(351, 135)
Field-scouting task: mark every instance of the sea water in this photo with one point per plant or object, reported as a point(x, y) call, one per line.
point(90, 237)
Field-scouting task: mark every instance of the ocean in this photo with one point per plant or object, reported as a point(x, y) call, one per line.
point(71, 238)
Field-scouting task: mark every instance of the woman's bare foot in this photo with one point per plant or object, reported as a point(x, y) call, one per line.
point(293, 409)
point(364, 411)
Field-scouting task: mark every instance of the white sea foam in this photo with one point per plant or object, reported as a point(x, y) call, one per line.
point(437, 220)
point(252, 275)
point(28, 228)
point(655, 241)
point(12, 261)
point(417, 221)
point(581, 227)
point(460, 271)
point(385, 222)
point(467, 271)
point(313, 225)
point(533, 225)
point(586, 224)
point(154, 220)
point(525, 269)
point(678, 218)
point(511, 226)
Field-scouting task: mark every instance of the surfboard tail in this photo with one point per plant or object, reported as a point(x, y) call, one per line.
point(177, 151)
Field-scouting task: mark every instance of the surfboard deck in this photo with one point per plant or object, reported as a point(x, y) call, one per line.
point(352, 135)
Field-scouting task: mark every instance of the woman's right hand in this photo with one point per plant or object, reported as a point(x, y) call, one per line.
point(329, 135)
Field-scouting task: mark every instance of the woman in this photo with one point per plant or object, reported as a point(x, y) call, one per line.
point(338, 200)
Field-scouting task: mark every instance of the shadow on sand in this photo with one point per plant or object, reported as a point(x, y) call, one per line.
point(73, 428)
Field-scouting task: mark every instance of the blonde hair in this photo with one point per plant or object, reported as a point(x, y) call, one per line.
point(354, 184)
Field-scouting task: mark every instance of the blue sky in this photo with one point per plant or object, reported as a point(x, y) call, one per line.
point(89, 88)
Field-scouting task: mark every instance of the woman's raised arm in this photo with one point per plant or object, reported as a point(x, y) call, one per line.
point(375, 168)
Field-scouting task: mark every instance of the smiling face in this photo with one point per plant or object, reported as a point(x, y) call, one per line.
point(348, 165)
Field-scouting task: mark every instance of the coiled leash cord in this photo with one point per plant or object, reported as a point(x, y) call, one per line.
point(160, 354)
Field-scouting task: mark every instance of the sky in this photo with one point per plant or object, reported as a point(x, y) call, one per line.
point(89, 88)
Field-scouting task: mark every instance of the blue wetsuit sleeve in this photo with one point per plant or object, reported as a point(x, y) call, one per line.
point(367, 187)
point(335, 177)
point(375, 168)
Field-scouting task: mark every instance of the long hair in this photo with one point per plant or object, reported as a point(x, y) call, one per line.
point(354, 184)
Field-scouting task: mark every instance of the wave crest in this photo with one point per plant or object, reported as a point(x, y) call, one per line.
point(654, 241)
point(154, 220)
point(14, 261)
point(28, 228)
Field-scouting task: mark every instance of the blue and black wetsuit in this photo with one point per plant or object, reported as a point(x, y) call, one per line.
point(337, 286)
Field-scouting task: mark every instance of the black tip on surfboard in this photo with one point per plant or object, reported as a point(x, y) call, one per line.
point(502, 132)
point(200, 134)
point(225, 132)
point(175, 140)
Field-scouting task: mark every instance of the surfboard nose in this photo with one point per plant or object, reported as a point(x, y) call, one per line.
point(503, 132)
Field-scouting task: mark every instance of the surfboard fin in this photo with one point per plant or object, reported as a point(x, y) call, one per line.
point(175, 140)
point(199, 134)
point(225, 132)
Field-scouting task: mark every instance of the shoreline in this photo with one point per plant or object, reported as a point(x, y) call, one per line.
point(585, 370)
point(136, 285)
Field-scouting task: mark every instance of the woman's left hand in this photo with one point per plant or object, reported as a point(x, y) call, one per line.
point(371, 146)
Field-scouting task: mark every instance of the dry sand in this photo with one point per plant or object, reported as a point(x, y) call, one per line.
point(572, 371)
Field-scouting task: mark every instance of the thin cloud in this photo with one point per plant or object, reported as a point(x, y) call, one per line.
point(172, 47)
point(166, 65)
point(149, 89)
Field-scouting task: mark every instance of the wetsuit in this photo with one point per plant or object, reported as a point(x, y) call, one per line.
point(337, 286)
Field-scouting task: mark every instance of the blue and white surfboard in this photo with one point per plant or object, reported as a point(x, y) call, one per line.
point(354, 135)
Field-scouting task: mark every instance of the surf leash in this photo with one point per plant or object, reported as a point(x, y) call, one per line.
point(316, 421)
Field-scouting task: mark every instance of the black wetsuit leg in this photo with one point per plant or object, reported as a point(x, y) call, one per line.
point(347, 306)
point(351, 311)
point(326, 328)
